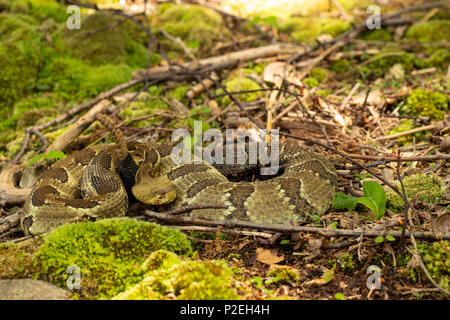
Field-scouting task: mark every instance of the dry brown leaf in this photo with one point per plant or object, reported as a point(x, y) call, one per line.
point(267, 256)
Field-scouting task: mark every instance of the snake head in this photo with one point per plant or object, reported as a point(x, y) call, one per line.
point(151, 187)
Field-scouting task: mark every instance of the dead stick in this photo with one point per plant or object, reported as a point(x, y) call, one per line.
point(291, 229)
point(405, 133)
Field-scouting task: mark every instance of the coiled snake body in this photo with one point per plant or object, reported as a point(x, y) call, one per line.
point(94, 183)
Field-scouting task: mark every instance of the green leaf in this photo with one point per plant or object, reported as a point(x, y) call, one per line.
point(375, 191)
point(343, 201)
point(340, 296)
point(379, 239)
point(390, 238)
point(54, 154)
point(328, 275)
point(35, 159)
point(374, 199)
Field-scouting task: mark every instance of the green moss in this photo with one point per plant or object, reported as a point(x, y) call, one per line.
point(405, 126)
point(379, 64)
point(170, 278)
point(240, 84)
point(426, 103)
point(430, 31)
point(16, 260)
point(340, 66)
point(424, 187)
point(282, 276)
point(109, 253)
point(347, 261)
point(436, 258)
point(72, 79)
point(439, 59)
point(179, 92)
point(197, 26)
point(311, 82)
point(319, 74)
point(105, 39)
point(20, 47)
point(377, 35)
point(307, 29)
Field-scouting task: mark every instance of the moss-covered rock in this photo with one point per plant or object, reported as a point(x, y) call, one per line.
point(72, 79)
point(105, 39)
point(20, 47)
point(306, 29)
point(240, 84)
point(424, 187)
point(170, 278)
point(430, 31)
point(199, 27)
point(109, 253)
point(16, 260)
point(426, 103)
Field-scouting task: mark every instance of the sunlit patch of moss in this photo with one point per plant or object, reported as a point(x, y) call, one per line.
point(109, 253)
point(405, 126)
point(427, 188)
point(439, 59)
point(303, 29)
point(311, 82)
point(379, 64)
point(436, 258)
point(72, 79)
point(377, 35)
point(430, 31)
point(16, 260)
point(282, 276)
point(197, 26)
point(426, 103)
point(320, 74)
point(340, 66)
point(179, 92)
point(170, 278)
point(240, 84)
point(20, 47)
point(105, 39)
point(323, 92)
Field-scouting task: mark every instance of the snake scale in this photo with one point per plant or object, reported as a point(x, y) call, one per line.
point(97, 182)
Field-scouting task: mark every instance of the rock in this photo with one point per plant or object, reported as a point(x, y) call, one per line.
point(29, 289)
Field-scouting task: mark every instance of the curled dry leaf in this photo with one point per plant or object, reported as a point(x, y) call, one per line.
point(267, 256)
point(442, 223)
point(274, 70)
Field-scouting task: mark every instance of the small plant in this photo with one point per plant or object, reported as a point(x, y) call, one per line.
point(374, 199)
point(51, 155)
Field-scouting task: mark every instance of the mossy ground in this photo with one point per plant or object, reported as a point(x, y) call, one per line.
point(426, 103)
point(424, 187)
point(168, 277)
point(109, 253)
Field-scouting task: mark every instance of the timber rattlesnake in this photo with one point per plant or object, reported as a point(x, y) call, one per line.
point(94, 183)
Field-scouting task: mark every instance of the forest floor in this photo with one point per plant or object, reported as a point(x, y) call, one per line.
point(375, 101)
